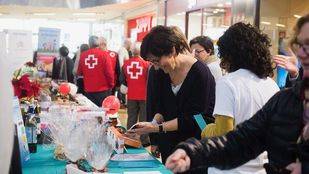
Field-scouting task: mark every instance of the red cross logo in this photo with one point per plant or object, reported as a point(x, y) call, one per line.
point(134, 70)
point(91, 61)
point(112, 54)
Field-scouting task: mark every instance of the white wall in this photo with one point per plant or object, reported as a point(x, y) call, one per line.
point(6, 118)
point(112, 32)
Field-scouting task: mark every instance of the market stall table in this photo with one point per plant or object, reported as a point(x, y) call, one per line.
point(43, 162)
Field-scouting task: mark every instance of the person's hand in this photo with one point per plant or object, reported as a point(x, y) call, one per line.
point(144, 128)
point(295, 168)
point(132, 135)
point(287, 62)
point(178, 162)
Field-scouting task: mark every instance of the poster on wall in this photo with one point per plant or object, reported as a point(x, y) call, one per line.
point(21, 132)
point(139, 27)
point(48, 40)
point(19, 48)
point(48, 45)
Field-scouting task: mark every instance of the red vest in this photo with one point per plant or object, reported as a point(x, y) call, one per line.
point(97, 70)
point(113, 56)
point(135, 70)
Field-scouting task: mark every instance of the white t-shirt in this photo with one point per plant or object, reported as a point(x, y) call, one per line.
point(215, 69)
point(240, 95)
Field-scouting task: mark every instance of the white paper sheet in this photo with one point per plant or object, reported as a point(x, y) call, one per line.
point(143, 172)
point(132, 157)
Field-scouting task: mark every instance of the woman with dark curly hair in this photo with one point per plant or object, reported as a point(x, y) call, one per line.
point(281, 128)
point(244, 53)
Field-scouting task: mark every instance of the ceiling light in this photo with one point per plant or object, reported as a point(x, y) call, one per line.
point(219, 5)
point(215, 11)
point(265, 23)
point(280, 25)
point(84, 14)
point(297, 16)
point(44, 14)
point(228, 3)
point(1, 14)
point(86, 19)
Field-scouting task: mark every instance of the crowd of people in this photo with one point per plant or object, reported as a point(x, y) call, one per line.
point(169, 84)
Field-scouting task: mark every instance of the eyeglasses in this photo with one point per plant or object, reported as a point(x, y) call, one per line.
point(155, 61)
point(198, 51)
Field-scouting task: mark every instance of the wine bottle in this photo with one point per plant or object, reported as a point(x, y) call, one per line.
point(31, 133)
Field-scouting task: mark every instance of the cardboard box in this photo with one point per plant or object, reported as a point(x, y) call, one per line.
point(127, 140)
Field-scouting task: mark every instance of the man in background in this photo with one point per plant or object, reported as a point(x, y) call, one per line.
point(135, 72)
point(63, 66)
point(96, 68)
point(113, 56)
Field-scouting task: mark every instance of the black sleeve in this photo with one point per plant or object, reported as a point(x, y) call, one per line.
point(152, 94)
point(118, 72)
point(201, 101)
point(237, 147)
point(55, 70)
point(303, 154)
point(122, 78)
point(151, 100)
point(305, 167)
point(70, 66)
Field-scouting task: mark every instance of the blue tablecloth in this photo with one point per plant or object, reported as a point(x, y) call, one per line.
point(43, 162)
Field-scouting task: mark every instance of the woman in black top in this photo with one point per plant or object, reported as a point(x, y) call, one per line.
point(185, 87)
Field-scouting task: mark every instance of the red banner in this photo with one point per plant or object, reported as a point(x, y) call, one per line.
point(139, 27)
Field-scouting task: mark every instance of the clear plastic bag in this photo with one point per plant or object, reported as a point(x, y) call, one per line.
point(81, 134)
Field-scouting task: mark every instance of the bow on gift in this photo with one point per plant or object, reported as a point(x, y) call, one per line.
point(23, 87)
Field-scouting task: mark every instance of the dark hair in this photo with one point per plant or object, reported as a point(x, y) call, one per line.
point(84, 47)
point(93, 41)
point(205, 42)
point(161, 40)
point(64, 51)
point(300, 23)
point(244, 46)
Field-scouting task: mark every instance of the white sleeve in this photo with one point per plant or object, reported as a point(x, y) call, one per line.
point(225, 100)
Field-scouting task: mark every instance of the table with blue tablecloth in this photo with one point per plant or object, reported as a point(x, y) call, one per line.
point(43, 162)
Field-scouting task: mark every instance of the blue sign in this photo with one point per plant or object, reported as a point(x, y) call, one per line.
point(21, 132)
